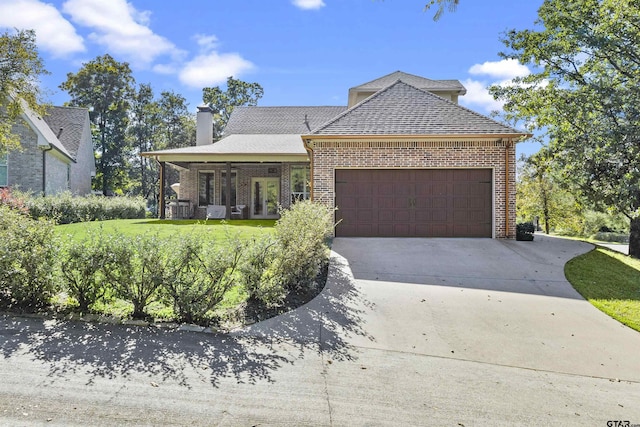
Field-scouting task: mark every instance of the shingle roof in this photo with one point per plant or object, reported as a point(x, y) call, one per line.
point(246, 144)
point(402, 109)
point(67, 123)
point(417, 81)
point(46, 132)
point(279, 120)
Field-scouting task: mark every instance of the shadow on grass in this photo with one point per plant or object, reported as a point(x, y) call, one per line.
point(610, 281)
point(118, 351)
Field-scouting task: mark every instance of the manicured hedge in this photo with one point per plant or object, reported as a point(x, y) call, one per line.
point(65, 208)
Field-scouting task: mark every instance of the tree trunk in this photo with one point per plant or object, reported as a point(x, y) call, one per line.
point(634, 238)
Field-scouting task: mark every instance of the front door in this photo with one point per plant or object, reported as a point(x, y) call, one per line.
point(265, 196)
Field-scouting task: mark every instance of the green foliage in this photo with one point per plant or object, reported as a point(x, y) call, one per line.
point(82, 268)
point(583, 93)
point(105, 87)
point(223, 102)
point(451, 5)
point(28, 259)
point(20, 71)
point(256, 272)
point(201, 273)
point(136, 267)
point(301, 236)
point(65, 208)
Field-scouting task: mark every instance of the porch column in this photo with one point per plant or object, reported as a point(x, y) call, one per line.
point(227, 214)
point(161, 206)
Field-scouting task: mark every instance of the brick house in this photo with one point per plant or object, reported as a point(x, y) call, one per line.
point(401, 159)
point(56, 153)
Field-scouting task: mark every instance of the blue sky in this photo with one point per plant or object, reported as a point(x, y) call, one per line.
point(302, 52)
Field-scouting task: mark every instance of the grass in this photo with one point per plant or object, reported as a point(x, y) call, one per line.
point(610, 281)
point(166, 228)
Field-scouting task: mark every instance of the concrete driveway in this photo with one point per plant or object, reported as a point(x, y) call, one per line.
point(491, 301)
point(407, 332)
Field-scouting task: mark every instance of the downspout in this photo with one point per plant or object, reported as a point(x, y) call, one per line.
point(310, 152)
point(508, 146)
point(44, 169)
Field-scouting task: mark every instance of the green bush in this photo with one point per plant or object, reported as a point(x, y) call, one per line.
point(65, 208)
point(256, 274)
point(82, 269)
point(28, 259)
point(301, 247)
point(136, 268)
point(201, 273)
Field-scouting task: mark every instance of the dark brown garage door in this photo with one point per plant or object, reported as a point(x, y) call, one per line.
point(414, 203)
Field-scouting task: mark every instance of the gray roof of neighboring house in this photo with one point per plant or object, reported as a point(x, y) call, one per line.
point(417, 81)
point(402, 109)
point(279, 120)
point(67, 123)
point(43, 128)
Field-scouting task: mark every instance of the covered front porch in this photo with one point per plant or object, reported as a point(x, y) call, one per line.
point(238, 177)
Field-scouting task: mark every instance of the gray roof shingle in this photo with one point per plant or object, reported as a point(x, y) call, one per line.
point(279, 120)
point(402, 109)
point(416, 81)
point(67, 123)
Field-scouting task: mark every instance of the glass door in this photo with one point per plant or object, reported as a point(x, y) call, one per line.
point(265, 196)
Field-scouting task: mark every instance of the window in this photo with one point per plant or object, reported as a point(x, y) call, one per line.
point(4, 176)
point(300, 183)
point(223, 199)
point(206, 188)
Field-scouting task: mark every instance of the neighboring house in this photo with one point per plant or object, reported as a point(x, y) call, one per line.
point(56, 153)
point(401, 159)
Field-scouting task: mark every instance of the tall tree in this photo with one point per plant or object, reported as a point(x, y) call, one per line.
point(105, 87)
point(20, 71)
point(584, 95)
point(540, 194)
point(223, 102)
point(144, 129)
point(177, 123)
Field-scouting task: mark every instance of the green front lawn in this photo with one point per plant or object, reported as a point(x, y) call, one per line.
point(166, 228)
point(610, 281)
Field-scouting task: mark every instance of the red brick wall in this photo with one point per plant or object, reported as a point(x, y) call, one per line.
point(329, 155)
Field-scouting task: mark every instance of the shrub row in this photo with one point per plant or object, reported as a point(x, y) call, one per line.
point(190, 274)
point(65, 208)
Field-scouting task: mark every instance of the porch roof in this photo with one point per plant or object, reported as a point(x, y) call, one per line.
point(239, 148)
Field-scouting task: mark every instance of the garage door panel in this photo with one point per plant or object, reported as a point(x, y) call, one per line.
point(429, 203)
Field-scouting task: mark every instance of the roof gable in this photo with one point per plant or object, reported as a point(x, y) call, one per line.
point(402, 109)
point(68, 124)
point(44, 133)
point(413, 80)
point(279, 120)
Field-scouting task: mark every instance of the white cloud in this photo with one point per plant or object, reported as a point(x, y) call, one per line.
point(206, 42)
point(308, 4)
point(54, 33)
point(213, 68)
point(497, 73)
point(121, 28)
point(505, 69)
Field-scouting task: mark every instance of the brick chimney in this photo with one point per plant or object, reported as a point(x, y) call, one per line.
point(204, 125)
